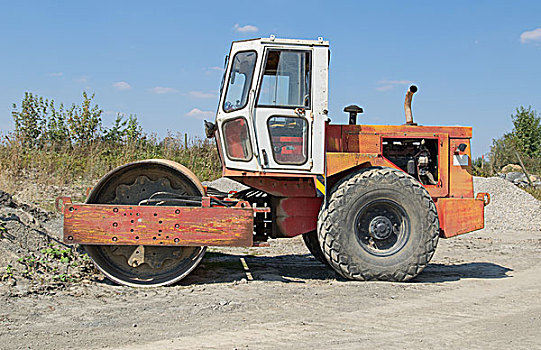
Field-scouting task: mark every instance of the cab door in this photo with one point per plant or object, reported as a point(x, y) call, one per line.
point(283, 115)
point(236, 132)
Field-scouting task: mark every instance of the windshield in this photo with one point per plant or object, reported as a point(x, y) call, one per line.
point(240, 79)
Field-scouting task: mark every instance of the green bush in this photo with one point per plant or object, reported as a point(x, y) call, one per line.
point(62, 144)
point(481, 167)
point(524, 140)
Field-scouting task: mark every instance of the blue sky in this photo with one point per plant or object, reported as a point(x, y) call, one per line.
point(473, 61)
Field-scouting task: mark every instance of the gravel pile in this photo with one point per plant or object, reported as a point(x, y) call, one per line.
point(32, 257)
point(510, 208)
point(225, 185)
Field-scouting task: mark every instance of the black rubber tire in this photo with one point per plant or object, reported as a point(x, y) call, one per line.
point(338, 225)
point(312, 243)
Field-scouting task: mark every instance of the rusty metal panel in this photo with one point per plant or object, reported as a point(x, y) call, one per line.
point(290, 186)
point(291, 226)
point(352, 142)
point(453, 131)
point(460, 176)
point(460, 215)
point(238, 175)
point(157, 225)
point(356, 141)
point(338, 162)
point(296, 215)
point(333, 138)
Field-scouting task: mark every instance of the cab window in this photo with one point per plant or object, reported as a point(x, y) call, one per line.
point(237, 139)
point(288, 139)
point(240, 79)
point(286, 80)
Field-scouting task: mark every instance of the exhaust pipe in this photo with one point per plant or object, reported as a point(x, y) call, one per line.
point(407, 105)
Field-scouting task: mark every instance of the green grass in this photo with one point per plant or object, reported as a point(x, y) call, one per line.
point(536, 192)
point(87, 163)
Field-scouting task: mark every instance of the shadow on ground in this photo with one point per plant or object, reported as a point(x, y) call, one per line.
point(435, 273)
point(223, 268)
point(220, 268)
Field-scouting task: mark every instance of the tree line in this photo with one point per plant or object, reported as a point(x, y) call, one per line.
point(59, 143)
point(524, 139)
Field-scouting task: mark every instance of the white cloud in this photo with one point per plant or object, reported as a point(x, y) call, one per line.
point(386, 85)
point(531, 36)
point(395, 82)
point(199, 114)
point(122, 85)
point(82, 80)
point(245, 29)
point(213, 70)
point(200, 94)
point(58, 74)
point(163, 90)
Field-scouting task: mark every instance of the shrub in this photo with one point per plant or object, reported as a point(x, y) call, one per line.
point(524, 140)
point(61, 145)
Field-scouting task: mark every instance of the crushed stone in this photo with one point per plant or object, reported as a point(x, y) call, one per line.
point(225, 185)
point(33, 259)
point(510, 207)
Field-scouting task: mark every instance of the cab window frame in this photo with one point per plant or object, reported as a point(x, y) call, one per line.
point(248, 137)
point(229, 78)
point(262, 76)
point(305, 136)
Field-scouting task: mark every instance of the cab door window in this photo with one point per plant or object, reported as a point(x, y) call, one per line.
point(288, 136)
point(286, 80)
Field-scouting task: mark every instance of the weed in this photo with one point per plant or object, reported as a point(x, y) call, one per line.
point(33, 264)
point(536, 192)
point(3, 229)
point(63, 255)
point(54, 263)
point(63, 277)
point(8, 274)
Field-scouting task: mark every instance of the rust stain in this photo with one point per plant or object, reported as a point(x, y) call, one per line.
point(149, 225)
point(460, 177)
point(460, 215)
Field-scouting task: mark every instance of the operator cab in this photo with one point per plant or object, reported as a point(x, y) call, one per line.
point(273, 104)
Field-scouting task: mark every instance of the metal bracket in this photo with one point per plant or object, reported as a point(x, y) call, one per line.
point(61, 202)
point(485, 197)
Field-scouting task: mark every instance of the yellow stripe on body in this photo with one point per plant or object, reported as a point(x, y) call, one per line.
point(320, 186)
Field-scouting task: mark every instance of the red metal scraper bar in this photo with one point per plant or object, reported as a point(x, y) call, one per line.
point(158, 225)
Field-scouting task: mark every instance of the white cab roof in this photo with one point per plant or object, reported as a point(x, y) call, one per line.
point(273, 40)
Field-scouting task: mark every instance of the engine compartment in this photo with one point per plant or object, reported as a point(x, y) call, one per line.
point(415, 156)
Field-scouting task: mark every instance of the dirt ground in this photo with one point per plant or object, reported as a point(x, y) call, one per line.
point(481, 290)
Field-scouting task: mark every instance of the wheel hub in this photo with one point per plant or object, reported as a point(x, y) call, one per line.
point(380, 227)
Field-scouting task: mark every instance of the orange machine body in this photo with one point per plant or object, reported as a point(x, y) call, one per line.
point(352, 147)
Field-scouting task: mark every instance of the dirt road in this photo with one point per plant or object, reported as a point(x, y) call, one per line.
point(482, 290)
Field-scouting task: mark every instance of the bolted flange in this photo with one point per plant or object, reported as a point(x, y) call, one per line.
point(380, 227)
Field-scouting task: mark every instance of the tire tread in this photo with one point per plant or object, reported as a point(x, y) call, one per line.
point(327, 232)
